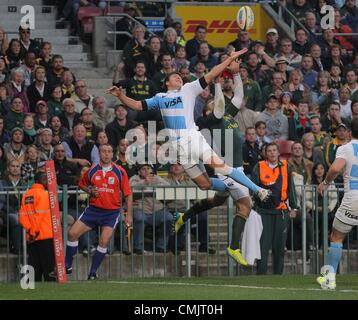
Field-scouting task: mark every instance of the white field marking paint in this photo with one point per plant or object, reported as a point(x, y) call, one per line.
point(227, 286)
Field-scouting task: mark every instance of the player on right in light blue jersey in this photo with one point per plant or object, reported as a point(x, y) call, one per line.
point(177, 109)
point(347, 214)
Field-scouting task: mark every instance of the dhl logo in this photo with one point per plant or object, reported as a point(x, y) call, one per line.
point(214, 26)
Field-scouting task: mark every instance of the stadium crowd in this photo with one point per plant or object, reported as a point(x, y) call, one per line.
point(301, 94)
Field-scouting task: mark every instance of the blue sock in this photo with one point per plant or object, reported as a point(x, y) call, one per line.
point(97, 260)
point(71, 250)
point(239, 176)
point(217, 184)
point(334, 255)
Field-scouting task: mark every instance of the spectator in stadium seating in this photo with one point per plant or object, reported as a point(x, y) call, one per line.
point(5, 100)
point(17, 88)
point(42, 116)
point(4, 134)
point(274, 213)
point(341, 138)
point(315, 52)
point(281, 67)
point(134, 50)
point(250, 151)
point(322, 94)
point(199, 70)
point(320, 137)
point(27, 44)
point(101, 138)
point(13, 56)
point(39, 89)
point(297, 88)
point(101, 114)
point(29, 130)
point(245, 117)
point(82, 98)
point(274, 86)
point(352, 84)
point(257, 71)
point(166, 61)
point(69, 117)
point(262, 139)
point(301, 44)
point(28, 67)
point(45, 144)
point(186, 75)
point(180, 60)
point(59, 132)
point(45, 55)
point(54, 74)
point(353, 65)
point(169, 41)
point(9, 203)
point(3, 162)
point(336, 79)
point(200, 103)
point(15, 149)
point(242, 41)
point(299, 163)
point(68, 85)
point(345, 103)
point(79, 149)
point(333, 118)
point(192, 45)
point(122, 160)
point(127, 24)
point(293, 58)
point(299, 124)
point(149, 211)
point(286, 106)
point(272, 45)
point(117, 129)
point(15, 116)
point(252, 91)
point(55, 106)
point(312, 26)
point(299, 8)
point(354, 108)
point(204, 55)
point(152, 56)
point(276, 122)
point(87, 120)
point(349, 13)
point(309, 75)
point(4, 42)
point(30, 165)
point(335, 58)
point(326, 42)
point(179, 30)
point(310, 152)
point(4, 71)
point(139, 88)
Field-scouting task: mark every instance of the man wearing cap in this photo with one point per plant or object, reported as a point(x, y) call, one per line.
point(15, 149)
point(42, 115)
point(27, 44)
point(281, 67)
point(144, 209)
point(39, 89)
point(252, 90)
point(276, 121)
point(271, 46)
point(341, 138)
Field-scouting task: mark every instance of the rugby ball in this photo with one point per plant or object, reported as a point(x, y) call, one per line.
point(245, 18)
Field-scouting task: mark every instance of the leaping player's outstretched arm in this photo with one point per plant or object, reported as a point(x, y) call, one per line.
point(131, 103)
point(217, 70)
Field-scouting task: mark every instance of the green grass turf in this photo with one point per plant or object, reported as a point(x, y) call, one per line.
point(269, 287)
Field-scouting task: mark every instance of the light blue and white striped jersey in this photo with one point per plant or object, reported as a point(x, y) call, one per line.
point(349, 152)
point(177, 107)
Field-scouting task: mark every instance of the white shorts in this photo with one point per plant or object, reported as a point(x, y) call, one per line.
point(236, 190)
point(193, 152)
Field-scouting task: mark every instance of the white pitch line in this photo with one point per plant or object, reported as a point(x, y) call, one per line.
point(228, 286)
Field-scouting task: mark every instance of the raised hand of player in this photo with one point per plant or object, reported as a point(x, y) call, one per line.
point(115, 91)
point(236, 54)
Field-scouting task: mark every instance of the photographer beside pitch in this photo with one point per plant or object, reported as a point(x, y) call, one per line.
point(103, 182)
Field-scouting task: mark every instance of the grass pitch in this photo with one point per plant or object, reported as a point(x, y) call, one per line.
point(218, 288)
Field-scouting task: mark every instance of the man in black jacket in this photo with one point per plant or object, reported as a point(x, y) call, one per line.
point(117, 129)
point(27, 44)
point(39, 89)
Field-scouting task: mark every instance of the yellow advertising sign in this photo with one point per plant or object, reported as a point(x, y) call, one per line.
point(220, 22)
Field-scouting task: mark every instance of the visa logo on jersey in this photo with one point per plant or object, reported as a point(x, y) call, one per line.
point(174, 103)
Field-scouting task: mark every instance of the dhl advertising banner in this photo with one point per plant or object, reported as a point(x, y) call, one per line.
point(220, 22)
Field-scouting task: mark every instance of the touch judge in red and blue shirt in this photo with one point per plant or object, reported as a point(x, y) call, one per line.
point(104, 182)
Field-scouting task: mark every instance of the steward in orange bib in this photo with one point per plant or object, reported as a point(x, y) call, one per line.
point(275, 175)
point(35, 218)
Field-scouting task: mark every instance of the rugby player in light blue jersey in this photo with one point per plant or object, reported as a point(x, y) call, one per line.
point(177, 109)
point(347, 214)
